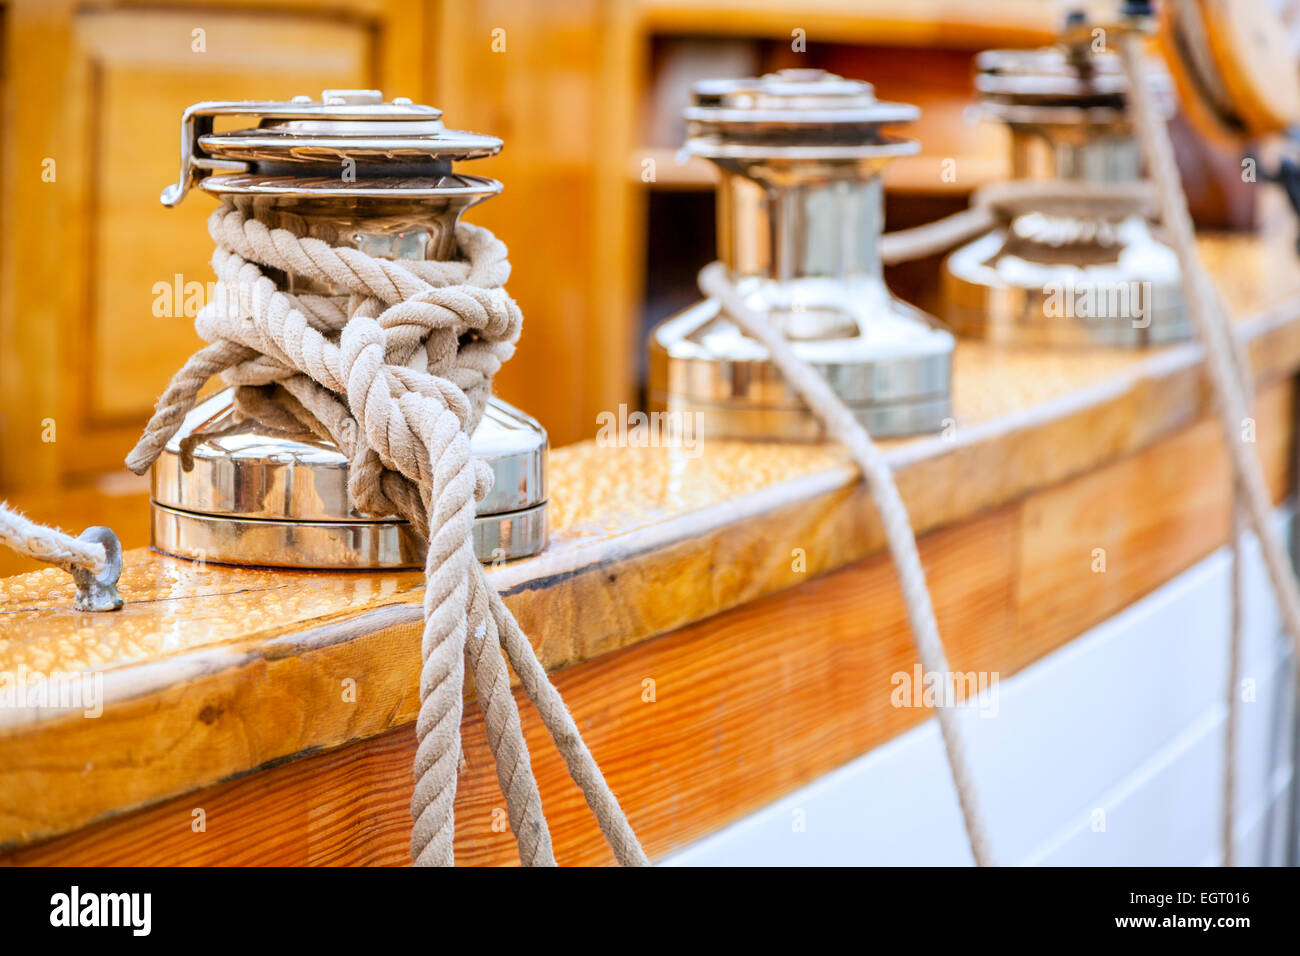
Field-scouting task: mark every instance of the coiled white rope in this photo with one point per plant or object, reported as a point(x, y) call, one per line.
point(396, 370)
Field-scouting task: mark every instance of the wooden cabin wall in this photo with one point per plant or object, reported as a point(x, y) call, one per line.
point(93, 98)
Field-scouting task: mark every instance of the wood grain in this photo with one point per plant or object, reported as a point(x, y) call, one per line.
point(746, 705)
point(33, 294)
point(1142, 518)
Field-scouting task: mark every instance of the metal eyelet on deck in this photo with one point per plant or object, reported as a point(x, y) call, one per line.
point(98, 592)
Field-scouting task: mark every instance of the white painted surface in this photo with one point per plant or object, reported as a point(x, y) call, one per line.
point(1123, 725)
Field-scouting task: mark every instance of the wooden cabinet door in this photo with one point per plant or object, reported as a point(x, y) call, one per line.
point(91, 257)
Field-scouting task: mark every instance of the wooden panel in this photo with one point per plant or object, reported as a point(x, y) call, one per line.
point(1098, 725)
point(534, 74)
point(143, 75)
point(99, 92)
point(34, 292)
point(1145, 517)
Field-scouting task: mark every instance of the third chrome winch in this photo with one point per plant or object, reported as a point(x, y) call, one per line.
point(1085, 267)
point(800, 213)
point(243, 481)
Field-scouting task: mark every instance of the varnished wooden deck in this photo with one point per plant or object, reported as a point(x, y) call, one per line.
point(764, 675)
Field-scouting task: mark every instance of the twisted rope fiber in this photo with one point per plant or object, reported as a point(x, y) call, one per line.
point(1234, 678)
point(278, 338)
point(397, 371)
point(50, 545)
point(1229, 376)
point(844, 428)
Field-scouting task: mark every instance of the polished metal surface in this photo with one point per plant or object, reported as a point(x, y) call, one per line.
point(1050, 76)
point(1065, 111)
point(896, 381)
point(355, 125)
point(284, 493)
point(242, 483)
point(1124, 291)
point(225, 462)
point(800, 213)
point(1055, 279)
point(333, 545)
point(820, 229)
point(793, 115)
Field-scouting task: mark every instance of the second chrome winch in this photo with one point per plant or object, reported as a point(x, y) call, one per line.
point(1076, 259)
point(244, 481)
point(800, 214)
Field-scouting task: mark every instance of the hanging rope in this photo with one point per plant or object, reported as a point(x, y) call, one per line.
point(844, 428)
point(1234, 678)
point(1230, 379)
point(1227, 365)
point(1224, 362)
point(396, 370)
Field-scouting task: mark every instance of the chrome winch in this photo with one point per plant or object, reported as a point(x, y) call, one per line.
point(241, 484)
point(1086, 272)
point(800, 214)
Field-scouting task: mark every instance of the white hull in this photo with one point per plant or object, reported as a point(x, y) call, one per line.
point(1123, 729)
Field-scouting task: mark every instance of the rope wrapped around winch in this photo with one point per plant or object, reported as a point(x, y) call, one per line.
point(396, 372)
point(1228, 369)
point(997, 203)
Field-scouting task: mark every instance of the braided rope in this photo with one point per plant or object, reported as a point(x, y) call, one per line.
point(844, 428)
point(1234, 678)
point(21, 534)
point(396, 369)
